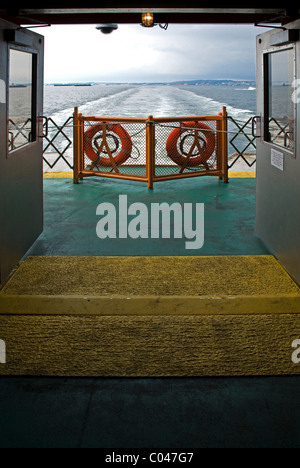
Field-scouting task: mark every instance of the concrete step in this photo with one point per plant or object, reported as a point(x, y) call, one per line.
point(150, 316)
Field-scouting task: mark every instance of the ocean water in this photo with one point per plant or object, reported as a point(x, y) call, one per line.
point(142, 101)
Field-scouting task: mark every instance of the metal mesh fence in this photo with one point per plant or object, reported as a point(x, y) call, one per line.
point(184, 147)
point(114, 147)
point(58, 144)
point(282, 132)
point(243, 142)
point(150, 149)
point(19, 133)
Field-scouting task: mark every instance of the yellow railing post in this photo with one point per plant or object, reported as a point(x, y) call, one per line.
point(150, 151)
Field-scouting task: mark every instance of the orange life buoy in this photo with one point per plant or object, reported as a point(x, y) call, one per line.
point(205, 146)
point(91, 144)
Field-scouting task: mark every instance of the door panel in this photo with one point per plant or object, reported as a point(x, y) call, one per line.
point(21, 148)
point(278, 150)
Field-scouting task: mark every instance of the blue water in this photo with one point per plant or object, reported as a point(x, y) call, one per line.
point(142, 101)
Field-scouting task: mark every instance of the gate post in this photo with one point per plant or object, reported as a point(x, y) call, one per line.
point(76, 146)
point(150, 151)
point(224, 156)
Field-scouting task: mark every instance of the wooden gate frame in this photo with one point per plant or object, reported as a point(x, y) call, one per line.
point(222, 147)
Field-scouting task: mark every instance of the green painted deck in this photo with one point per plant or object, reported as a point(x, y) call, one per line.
point(70, 217)
point(142, 413)
point(205, 412)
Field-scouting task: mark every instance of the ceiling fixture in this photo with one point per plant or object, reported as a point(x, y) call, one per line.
point(107, 28)
point(148, 21)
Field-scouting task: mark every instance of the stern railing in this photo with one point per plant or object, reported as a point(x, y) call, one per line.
point(150, 149)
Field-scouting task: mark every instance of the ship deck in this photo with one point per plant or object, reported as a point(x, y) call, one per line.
point(70, 216)
point(108, 334)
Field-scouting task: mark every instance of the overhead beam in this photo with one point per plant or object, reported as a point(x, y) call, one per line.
point(163, 14)
point(134, 18)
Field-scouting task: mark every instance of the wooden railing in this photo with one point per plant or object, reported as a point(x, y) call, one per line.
point(150, 149)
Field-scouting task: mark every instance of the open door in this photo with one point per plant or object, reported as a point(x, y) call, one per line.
point(278, 145)
point(21, 148)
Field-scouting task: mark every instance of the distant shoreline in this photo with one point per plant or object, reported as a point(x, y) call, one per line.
point(250, 83)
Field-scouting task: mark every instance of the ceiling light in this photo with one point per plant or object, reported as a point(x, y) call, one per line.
point(148, 20)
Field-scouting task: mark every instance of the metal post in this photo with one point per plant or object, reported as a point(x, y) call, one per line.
point(225, 145)
point(219, 126)
point(81, 143)
point(75, 146)
point(150, 151)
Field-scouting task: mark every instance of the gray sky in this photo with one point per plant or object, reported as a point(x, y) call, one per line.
point(133, 53)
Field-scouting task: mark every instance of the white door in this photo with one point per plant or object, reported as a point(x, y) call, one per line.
point(21, 147)
point(278, 148)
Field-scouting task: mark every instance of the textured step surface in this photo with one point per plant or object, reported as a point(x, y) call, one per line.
point(150, 316)
point(151, 276)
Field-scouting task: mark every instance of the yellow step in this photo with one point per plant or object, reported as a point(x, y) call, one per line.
point(150, 316)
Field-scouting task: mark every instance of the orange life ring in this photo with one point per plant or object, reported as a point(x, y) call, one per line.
point(179, 155)
point(90, 144)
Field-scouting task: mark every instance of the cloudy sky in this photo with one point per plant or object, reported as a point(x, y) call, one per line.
point(133, 53)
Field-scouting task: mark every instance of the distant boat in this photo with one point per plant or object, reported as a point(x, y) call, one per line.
point(72, 84)
point(18, 86)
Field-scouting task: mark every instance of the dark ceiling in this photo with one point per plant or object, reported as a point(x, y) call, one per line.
point(193, 12)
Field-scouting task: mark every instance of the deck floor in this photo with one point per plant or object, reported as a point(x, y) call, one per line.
point(260, 412)
point(70, 217)
point(210, 412)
